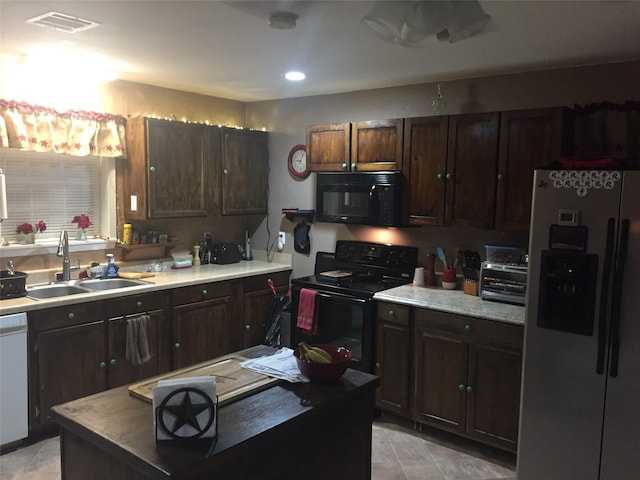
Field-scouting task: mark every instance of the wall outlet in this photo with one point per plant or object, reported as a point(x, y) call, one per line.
point(281, 238)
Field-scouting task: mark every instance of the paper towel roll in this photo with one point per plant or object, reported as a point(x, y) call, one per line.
point(3, 197)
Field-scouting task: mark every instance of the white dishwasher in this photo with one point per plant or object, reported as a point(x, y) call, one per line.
point(13, 378)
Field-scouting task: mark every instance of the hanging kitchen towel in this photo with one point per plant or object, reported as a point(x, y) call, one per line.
point(137, 341)
point(307, 311)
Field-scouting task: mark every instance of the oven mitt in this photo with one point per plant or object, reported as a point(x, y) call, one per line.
point(301, 242)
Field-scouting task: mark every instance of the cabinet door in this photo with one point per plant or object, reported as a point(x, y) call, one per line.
point(377, 145)
point(441, 379)
point(494, 395)
point(257, 299)
point(393, 366)
point(204, 330)
point(164, 174)
point(529, 139)
point(244, 172)
point(71, 365)
point(177, 160)
point(472, 159)
point(424, 168)
point(122, 370)
point(328, 147)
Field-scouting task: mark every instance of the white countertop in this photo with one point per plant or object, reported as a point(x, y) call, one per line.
point(168, 279)
point(453, 301)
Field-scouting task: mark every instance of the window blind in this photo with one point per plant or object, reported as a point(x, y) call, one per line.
point(53, 188)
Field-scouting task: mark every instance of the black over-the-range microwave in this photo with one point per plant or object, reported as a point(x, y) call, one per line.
point(362, 198)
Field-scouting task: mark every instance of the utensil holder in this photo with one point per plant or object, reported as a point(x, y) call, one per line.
point(470, 287)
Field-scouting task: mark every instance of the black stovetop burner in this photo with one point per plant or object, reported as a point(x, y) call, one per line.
point(364, 268)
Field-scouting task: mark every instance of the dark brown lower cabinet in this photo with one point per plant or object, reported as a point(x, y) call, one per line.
point(393, 358)
point(80, 349)
point(205, 322)
point(257, 299)
point(468, 376)
point(441, 364)
point(121, 311)
point(71, 364)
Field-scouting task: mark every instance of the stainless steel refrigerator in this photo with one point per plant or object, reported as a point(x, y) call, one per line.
point(580, 409)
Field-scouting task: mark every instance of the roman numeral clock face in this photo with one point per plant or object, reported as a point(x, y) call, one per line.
point(297, 162)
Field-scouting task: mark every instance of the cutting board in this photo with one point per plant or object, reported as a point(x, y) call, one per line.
point(135, 275)
point(232, 381)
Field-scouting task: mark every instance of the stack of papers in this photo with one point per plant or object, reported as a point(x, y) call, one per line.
point(281, 364)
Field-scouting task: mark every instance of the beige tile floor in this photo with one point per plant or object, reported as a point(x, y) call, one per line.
point(399, 452)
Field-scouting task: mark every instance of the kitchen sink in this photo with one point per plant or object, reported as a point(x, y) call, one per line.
point(54, 290)
point(111, 283)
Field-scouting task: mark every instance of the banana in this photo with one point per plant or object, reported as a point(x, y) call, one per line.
point(313, 354)
point(322, 352)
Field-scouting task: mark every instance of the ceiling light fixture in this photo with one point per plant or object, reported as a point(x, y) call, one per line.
point(409, 23)
point(295, 76)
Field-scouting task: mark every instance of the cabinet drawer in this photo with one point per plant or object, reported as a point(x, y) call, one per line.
point(393, 313)
point(489, 331)
point(443, 322)
point(203, 291)
point(69, 315)
point(259, 282)
point(145, 302)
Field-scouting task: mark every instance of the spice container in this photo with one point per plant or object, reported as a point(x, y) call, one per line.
point(126, 233)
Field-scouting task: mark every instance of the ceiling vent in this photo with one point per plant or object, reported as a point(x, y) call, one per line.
point(62, 22)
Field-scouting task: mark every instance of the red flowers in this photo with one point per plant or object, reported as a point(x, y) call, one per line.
point(83, 221)
point(27, 228)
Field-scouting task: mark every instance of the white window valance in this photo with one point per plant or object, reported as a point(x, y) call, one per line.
point(75, 132)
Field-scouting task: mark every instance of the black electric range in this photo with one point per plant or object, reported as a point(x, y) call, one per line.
point(344, 311)
point(364, 268)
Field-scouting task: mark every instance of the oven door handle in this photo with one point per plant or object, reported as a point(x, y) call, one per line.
point(340, 296)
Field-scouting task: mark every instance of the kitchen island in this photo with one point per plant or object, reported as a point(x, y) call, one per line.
point(310, 431)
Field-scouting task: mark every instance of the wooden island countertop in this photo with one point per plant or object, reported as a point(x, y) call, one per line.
point(288, 431)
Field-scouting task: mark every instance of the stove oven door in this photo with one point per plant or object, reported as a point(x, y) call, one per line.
point(344, 321)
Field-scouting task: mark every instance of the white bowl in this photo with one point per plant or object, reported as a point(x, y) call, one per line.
point(449, 285)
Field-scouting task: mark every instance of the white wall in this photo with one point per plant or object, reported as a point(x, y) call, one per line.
point(287, 121)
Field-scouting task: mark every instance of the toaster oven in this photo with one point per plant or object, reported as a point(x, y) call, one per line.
point(503, 283)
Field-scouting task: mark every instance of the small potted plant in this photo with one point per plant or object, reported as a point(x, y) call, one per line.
point(83, 222)
point(28, 231)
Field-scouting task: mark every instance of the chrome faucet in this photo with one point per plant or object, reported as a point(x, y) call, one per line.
point(63, 251)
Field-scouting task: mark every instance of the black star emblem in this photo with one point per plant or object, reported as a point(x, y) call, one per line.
point(186, 412)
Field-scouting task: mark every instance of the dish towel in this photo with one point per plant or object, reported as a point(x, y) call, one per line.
point(307, 311)
point(137, 348)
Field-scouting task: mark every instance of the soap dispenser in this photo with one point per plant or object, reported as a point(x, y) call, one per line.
point(111, 270)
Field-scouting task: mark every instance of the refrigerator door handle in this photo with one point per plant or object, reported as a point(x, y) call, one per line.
point(617, 297)
point(604, 295)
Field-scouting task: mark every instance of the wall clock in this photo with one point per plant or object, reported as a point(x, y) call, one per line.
point(297, 162)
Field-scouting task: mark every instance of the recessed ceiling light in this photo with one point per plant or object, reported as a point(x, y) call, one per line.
point(295, 76)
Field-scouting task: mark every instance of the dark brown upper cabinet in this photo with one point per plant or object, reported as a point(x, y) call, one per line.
point(425, 160)
point(529, 139)
point(373, 145)
point(165, 173)
point(245, 168)
point(376, 145)
point(450, 169)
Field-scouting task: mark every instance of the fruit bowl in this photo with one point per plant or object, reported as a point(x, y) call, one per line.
point(325, 372)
